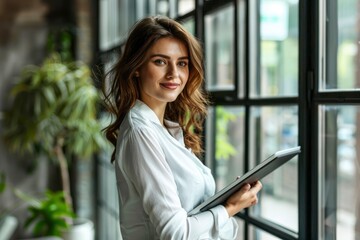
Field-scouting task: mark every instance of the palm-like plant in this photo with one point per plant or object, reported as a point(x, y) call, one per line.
point(54, 113)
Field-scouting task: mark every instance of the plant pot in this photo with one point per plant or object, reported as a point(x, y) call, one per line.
point(82, 228)
point(8, 225)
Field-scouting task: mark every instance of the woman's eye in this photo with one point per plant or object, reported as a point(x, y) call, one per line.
point(182, 64)
point(159, 61)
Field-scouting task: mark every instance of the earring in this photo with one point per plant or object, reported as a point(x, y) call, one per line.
point(137, 74)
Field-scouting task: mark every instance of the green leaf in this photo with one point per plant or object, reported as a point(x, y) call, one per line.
point(41, 228)
point(49, 95)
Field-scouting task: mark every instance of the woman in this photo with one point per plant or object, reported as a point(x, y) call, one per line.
point(157, 98)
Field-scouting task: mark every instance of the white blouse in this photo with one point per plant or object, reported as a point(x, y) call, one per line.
point(159, 180)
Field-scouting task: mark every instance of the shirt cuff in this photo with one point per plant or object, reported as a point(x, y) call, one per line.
point(221, 216)
point(225, 227)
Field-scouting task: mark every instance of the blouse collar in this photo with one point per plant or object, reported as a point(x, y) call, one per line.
point(173, 128)
point(146, 111)
point(149, 114)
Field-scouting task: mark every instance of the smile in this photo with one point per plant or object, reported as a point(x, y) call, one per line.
point(170, 85)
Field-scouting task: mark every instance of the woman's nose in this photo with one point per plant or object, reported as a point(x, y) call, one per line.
point(172, 71)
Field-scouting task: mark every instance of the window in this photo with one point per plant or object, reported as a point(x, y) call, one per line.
point(337, 102)
point(185, 6)
point(341, 46)
point(110, 29)
point(255, 109)
point(219, 49)
point(278, 49)
point(281, 73)
point(228, 126)
point(339, 155)
point(273, 128)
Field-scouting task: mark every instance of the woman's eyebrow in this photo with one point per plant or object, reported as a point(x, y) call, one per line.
point(166, 56)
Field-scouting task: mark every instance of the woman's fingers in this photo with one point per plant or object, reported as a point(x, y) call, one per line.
point(245, 197)
point(257, 186)
point(250, 194)
point(245, 188)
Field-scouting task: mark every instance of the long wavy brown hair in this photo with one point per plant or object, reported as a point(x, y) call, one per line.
point(189, 109)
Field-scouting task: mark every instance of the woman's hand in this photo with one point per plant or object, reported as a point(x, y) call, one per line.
point(245, 197)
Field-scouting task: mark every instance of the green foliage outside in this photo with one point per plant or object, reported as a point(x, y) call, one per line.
point(224, 149)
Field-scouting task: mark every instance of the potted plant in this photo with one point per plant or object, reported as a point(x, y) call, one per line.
point(48, 216)
point(54, 114)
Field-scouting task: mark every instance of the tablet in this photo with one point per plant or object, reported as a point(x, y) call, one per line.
point(255, 174)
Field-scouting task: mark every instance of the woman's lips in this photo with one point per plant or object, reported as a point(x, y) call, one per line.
point(171, 86)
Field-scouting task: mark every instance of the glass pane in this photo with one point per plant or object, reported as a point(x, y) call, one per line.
point(241, 18)
point(257, 234)
point(342, 45)
point(277, 51)
point(143, 8)
point(219, 49)
point(340, 160)
point(189, 25)
point(111, 29)
point(229, 144)
point(185, 6)
point(241, 230)
point(273, 129)
point(107, 204)
point(162, 7)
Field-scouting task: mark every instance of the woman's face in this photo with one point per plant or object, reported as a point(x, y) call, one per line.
point(164, 73)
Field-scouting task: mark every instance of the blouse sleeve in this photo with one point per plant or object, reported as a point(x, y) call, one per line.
point(146, 167)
